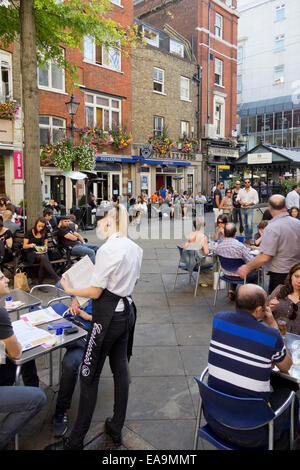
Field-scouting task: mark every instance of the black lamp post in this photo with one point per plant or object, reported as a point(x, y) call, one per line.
point(72, 108)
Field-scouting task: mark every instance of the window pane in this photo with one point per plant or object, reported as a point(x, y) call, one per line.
point(89, 98)
point(43, 76)
point(57, 134)
point(57, 122)
point(89, 48)
point(106, 119)
point(102, 101)
point(99, 117)
point(44, 136)
point(151, 38)
point(176, 47)
point(89, 116)
point(115, 104)
point(115, 119)
point(157, 87)
point(280, 12)
point(184, 88)
point(57, 78)
point(44, 120)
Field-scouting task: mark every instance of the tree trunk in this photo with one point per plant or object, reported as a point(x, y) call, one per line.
point(33, 193)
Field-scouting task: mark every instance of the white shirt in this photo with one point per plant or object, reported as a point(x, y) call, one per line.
point(248, 196)
point(117, 267)
point(292, 199)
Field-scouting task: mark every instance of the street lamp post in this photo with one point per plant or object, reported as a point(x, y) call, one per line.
point(72, 108)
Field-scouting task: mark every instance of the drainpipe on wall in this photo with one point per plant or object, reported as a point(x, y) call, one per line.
point(208, 65)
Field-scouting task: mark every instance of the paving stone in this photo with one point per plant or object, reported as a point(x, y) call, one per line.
point(155, 361)
point(154, 335)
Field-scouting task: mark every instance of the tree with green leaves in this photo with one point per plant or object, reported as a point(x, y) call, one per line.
point(42, 27)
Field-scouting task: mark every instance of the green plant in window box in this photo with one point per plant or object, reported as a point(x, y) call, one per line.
point(120, 138)
point(8, 110)
point(95, 136)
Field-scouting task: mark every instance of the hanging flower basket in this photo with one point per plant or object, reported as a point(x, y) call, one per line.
point(188, 145)
point(8, 110)
point(120, 138)
point(64, 153)
point(162, 144)
point(95, 136)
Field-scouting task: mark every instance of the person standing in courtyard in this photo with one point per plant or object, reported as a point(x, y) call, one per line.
point(279, 247)
point(247, 197)
point(117, 269)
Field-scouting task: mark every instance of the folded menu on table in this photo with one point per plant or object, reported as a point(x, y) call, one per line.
point(38, 317)
point(29, 336)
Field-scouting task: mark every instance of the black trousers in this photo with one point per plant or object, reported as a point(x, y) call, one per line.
point(28, 372)
point(275, 280)
point(115, 347)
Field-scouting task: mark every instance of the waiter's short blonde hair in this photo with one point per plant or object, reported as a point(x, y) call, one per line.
point(119, 216)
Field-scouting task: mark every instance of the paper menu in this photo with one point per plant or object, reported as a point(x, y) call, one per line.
point(29, 336)
point(80, 275)
point(38, 317)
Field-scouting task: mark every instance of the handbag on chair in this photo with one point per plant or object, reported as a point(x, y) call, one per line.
point(20, 281)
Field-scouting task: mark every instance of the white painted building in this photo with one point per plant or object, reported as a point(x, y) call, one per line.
point(268, 75)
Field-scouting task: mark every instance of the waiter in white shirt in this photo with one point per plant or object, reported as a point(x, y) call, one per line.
point(117, 268)
point(247, 197)
point(293, 197)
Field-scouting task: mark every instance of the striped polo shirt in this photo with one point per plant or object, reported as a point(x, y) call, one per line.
point(241, 353)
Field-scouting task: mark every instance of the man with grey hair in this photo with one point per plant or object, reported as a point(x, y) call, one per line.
point(280, 244)
point(230, 247)
point(244, 346)
point(8, 223)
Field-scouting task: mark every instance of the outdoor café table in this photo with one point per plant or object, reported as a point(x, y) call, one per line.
point(38, 351)
point(294, 372)
point(28, 301)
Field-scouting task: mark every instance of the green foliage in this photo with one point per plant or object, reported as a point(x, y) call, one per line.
point(287, 184)
point(82, 201)
point(67, 22)
point(63, 153)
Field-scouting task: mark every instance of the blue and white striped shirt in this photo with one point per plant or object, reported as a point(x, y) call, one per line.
point(241, 353)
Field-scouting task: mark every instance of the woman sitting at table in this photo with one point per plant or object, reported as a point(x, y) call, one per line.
point(196, 247)
point(37, 237)
point(6, 241)
point(285, 300)
point(221, 221)
point(257, 237)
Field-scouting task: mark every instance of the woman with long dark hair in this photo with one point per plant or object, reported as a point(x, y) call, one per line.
point(6, 241)
point(285, 300)
point(35, 251)
point(117, 268)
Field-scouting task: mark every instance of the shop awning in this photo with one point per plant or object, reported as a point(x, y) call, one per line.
point(115, 158)
point(166, 162)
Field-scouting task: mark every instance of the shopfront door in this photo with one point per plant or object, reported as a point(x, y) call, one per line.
point(58, 189)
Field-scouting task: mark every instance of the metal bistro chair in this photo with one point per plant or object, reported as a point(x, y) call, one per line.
point(231, 265)
point(197, 267)
point(243, 414)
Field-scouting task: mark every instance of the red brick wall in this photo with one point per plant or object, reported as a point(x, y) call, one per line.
point(187, 15)
point(94, 77)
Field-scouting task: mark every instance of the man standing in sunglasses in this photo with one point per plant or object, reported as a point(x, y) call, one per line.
point(236, 211)
point(248, 198)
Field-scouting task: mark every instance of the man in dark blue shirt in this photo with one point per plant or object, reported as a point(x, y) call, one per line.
point(242, 353)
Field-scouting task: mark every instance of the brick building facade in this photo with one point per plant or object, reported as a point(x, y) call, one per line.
point(211, 27)
point(104, 96)
point(164, 99)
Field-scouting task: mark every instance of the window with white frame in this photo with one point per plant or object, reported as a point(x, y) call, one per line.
point(219, 26)
point(5, 76)
point(158, 125)
point(158, 80)
point(218, 71)
point(279, 74)
point(116, 2)
point(50, 77)
point(218, 118)
point(107, 56)
point(176, 47)
point(239, 83)
point(280, 12)
point(184, 88)
point(52, 129)
point(102, 111)
point(279, 43)
point(184, 129)
point(240, 54)
point(151, 37)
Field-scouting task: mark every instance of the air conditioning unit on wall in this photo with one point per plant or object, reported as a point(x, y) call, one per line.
point(210, 131)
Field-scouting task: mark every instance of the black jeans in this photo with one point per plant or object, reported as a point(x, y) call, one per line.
point(115, 347)
point(275, 280)
point(28, 372)
point(70, 369)
point(236, 216)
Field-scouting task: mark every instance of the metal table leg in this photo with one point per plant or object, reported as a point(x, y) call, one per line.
point(17, 383)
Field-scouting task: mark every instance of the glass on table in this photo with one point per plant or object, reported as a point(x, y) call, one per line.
point(282, 325)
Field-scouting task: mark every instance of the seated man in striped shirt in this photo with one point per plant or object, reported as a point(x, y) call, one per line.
point(242, 352)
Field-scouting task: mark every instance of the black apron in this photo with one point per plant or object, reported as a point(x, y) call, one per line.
point(103, 310)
